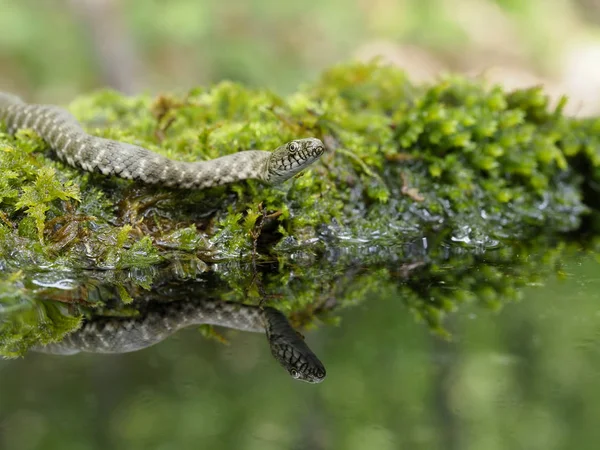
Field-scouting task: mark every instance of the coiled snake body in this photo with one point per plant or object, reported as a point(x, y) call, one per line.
point(73, 145)
point(108, 334)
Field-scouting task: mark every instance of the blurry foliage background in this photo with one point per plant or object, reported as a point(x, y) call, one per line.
point(526, 378)
point(51, 50)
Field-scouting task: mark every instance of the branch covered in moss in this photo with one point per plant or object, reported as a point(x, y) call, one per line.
point(470, 164)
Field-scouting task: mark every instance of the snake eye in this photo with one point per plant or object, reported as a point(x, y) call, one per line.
point(293, 147)
point(294, 373)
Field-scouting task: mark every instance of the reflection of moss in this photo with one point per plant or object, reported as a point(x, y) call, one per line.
point(41, 324)
point(406, 161)
point(430, 284)
point(25, 322)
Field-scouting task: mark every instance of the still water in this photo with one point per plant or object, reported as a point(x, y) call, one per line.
point(519, 369)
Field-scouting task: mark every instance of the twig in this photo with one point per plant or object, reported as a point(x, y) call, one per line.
point(408, 191)
point(6, 220)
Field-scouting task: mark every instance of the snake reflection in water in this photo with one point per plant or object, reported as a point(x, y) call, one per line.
point(58, 128)
point(158, 320)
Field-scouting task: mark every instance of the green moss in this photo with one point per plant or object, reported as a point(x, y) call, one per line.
point(311, 290)
point(25, 322)
point(37, 197)
point(472, 163)
point(401, 155)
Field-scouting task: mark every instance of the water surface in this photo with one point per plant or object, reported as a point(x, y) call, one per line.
point(514, 374)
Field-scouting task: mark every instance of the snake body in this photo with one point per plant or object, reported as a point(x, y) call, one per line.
point(107, 334)
point(58, 128)
point(63, 133)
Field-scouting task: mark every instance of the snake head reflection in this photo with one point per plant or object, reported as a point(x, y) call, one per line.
point(290, 350)
point(293, 157)
point(315, 375)
point(300, 365)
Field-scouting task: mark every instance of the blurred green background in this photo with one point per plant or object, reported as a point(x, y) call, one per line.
point(523, 378)
point(51, 50)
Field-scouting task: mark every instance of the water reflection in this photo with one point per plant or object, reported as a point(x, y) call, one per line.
point(123, 311)
point(149, 322)
point(525, 377)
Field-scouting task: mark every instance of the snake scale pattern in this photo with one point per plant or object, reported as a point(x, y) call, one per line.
point(72, 144)
point(67, 138)
point(109, 334)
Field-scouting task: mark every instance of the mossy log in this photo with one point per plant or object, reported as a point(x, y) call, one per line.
point(456, 161)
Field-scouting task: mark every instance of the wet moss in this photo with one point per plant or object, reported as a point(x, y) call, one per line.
point(433, 283)
point(475, 164)
point(485, 163)
point(25, 321)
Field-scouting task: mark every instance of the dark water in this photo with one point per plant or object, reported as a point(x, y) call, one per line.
point(510, 374)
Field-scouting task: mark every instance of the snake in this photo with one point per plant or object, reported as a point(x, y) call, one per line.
point(73, 145)
point(67, 138)
point(158, 320)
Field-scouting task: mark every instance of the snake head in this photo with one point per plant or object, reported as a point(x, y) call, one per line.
point(293, 157)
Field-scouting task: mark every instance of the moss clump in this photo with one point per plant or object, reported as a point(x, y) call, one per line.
point(25, 322)
point(478, 161)
point(474, 164)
